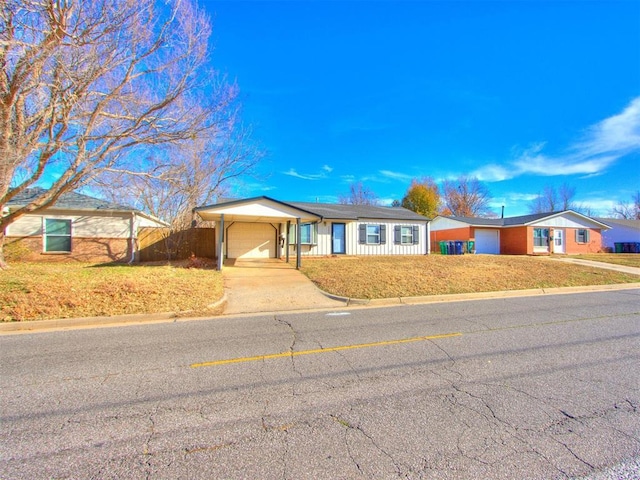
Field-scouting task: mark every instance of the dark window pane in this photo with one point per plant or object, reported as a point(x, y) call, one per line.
point(58, 244)
point(58, 227)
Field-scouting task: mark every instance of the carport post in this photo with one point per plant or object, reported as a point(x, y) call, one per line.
point(298, 230)
point(220, 238)
point(287, 235)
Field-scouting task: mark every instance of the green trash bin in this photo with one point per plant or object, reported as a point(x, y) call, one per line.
point(618, 247)
point(443, 248)
point(470, 246)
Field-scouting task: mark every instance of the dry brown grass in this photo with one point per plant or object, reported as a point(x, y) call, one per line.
point(395, 276)
point(34, 291)
point(627, 259)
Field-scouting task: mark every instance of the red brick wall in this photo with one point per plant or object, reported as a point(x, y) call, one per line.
point(103, 250)
point(594, 245)
point(516, 241)
point(463, 233)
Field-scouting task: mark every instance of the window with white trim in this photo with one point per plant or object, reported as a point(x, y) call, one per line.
point(57, 235)
point(406, 235)
point(582, 235)
point(540, 237)
point(372, 234)
point(308, 233)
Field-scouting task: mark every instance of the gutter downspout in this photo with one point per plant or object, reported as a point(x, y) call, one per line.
point(429, 237)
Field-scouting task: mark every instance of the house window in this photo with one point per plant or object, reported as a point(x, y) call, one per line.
point(406, 234)
point(308, 233)
point(372, 234)
point(540, 237)
point(582, 235)
point(57, 235)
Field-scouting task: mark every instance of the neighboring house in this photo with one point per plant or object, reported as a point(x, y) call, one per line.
point(76, 227)
point(622, 231)
point(537, 234)
point(262, 227)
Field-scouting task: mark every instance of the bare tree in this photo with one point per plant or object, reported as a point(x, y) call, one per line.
point(552, 200)
point(91, 86)
point(628, 210)
point(466, 197)
point(359, 195)
point(191, 175)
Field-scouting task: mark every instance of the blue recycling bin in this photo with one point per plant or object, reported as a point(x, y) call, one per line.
point(459, 246)
point(451, 248)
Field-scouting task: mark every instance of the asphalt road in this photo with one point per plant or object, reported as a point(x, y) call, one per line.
point(536, 387)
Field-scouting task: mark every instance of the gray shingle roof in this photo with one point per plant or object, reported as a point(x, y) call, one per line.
point(623, 222)
point(357, 212)
point(513, 221)
point(507, 221)
point(67, 201)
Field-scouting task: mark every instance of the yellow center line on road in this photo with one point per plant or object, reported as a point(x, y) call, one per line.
point(322, 350)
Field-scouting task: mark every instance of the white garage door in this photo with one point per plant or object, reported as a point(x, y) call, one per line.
point(487, 241)
point(251, 240)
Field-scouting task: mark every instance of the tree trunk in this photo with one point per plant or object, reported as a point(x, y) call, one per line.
point(3, 264)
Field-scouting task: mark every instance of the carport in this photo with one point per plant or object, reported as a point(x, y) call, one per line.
point(255, 228)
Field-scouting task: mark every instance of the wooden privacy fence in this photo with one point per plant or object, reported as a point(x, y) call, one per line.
point(157, 244)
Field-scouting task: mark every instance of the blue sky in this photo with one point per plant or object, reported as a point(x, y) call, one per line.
point(520, 94)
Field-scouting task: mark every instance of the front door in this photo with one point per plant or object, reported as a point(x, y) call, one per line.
point(558, 241)
point(338, 244)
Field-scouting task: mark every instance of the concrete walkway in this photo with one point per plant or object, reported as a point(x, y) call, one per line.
point(270, 285)
point(591, 263)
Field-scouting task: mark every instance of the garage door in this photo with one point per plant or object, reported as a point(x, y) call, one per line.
point(487, 241)
point(251, 240)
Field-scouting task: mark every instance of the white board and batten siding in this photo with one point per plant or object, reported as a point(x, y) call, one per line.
point(390, 247)
point(563, 221)
point(323, 246)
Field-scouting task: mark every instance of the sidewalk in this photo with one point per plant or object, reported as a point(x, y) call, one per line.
point(591, 263)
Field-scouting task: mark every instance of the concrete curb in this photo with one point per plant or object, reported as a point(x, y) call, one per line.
point(142, 318)
point(459, 297)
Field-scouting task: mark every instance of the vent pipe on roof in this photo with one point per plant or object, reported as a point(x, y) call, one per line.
point(502, 215)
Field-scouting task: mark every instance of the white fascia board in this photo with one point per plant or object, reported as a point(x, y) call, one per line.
point(256, 209)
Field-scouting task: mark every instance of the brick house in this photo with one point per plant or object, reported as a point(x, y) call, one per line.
point(565, 232)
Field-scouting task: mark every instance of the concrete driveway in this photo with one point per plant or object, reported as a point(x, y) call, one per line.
point(270, 285)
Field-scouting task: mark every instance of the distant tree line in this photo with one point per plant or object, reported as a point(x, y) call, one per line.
point(466, 196)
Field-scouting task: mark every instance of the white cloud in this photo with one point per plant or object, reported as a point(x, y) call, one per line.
point(493, 173)
point(396, 176)
point(602, 145)
point(327, 168)
point(310, 176)
point(619, 133)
